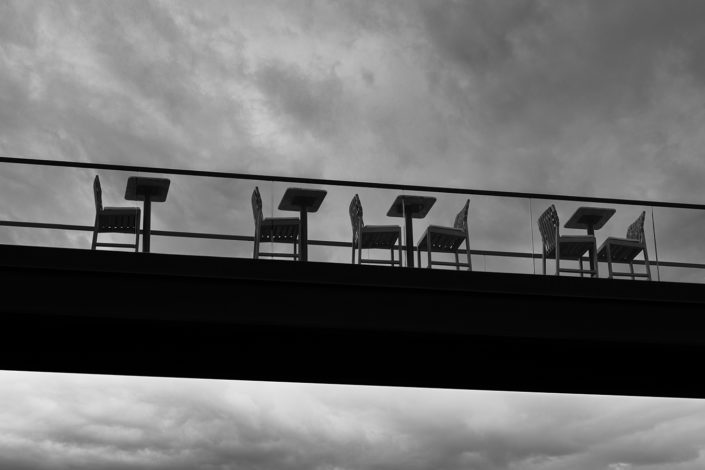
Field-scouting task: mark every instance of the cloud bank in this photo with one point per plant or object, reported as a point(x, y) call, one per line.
point(105, 422)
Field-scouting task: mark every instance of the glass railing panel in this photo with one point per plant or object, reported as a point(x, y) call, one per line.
point(46, 195)
point(211, 215)
point(273, 197)
point(532, 206)
point(679, 239)
point(332, 222)
point(269, 193)
point(441, 214)
point(500, 225)
point(200, 213)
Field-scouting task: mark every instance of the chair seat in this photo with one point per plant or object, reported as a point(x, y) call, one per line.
point(573, 246)
point(446, 239)
point(380, 236)
point(279, 229)
point(119, 219)
point(121, 210)
point(622, 250)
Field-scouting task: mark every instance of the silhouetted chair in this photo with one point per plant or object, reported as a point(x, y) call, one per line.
point(625, 250)
point(114, 220)
point(372, 236)
point(564, 247)
point(447, 240)
point(274, 230)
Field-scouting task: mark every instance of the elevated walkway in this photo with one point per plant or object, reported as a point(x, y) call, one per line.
point(70, 310)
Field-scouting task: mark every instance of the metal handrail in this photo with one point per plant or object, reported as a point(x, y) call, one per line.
point(221, 236)
point(361, 184)
point(319, 181)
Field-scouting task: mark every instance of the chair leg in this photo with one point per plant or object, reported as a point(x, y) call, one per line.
point(558, 259)
point(457, 262)
point(255, 246)
point(359, 249)
point(391, 256)
point(543, 260)
point(428, 247)
point(418, 257)
point(400, 255)
point(646, 263)
point(594, 262)
point(95, 233)
point(296, 254)
point(467, 244)
point(631, 269)
point(582, 273)
point(137, 239)
point(609, 261)
point(352, 245)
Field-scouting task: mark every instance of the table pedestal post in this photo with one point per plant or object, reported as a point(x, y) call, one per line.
point(591, 252)
point(409, 240)
point(303, 236)
point(147, 224)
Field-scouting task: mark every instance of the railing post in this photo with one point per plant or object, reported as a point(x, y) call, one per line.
point(653, 227)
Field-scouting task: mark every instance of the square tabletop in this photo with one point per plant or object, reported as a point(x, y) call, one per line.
point(590, 218)
point(416, 206)
point(139, 186)
point(302, 199)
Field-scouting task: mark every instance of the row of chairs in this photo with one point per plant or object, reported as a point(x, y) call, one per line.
point(436, 238)
point(448, 239)
point(382, 237)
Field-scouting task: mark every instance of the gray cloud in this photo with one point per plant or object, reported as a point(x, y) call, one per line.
point(579, 95)
point(73, 421)
point(310, 105)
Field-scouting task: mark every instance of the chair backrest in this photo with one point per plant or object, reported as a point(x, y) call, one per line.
point(548, 227)
point(257, 206)
point(356, 217)
point(97, 194)
point(636, 229)
point(461, 220)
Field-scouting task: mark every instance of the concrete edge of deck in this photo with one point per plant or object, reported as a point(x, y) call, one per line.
point(171, 315)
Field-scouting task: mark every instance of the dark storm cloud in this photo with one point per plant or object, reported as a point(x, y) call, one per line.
point(570, 58)
point(553, 77)
point(311, 105)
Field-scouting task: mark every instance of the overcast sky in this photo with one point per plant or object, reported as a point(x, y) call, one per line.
point(57, 421)
point(580, 97)
point(574, 97)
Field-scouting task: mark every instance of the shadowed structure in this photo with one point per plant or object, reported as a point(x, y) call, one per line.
point(417, 327)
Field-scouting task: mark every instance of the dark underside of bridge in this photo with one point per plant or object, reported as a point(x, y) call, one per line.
point(70, 310)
